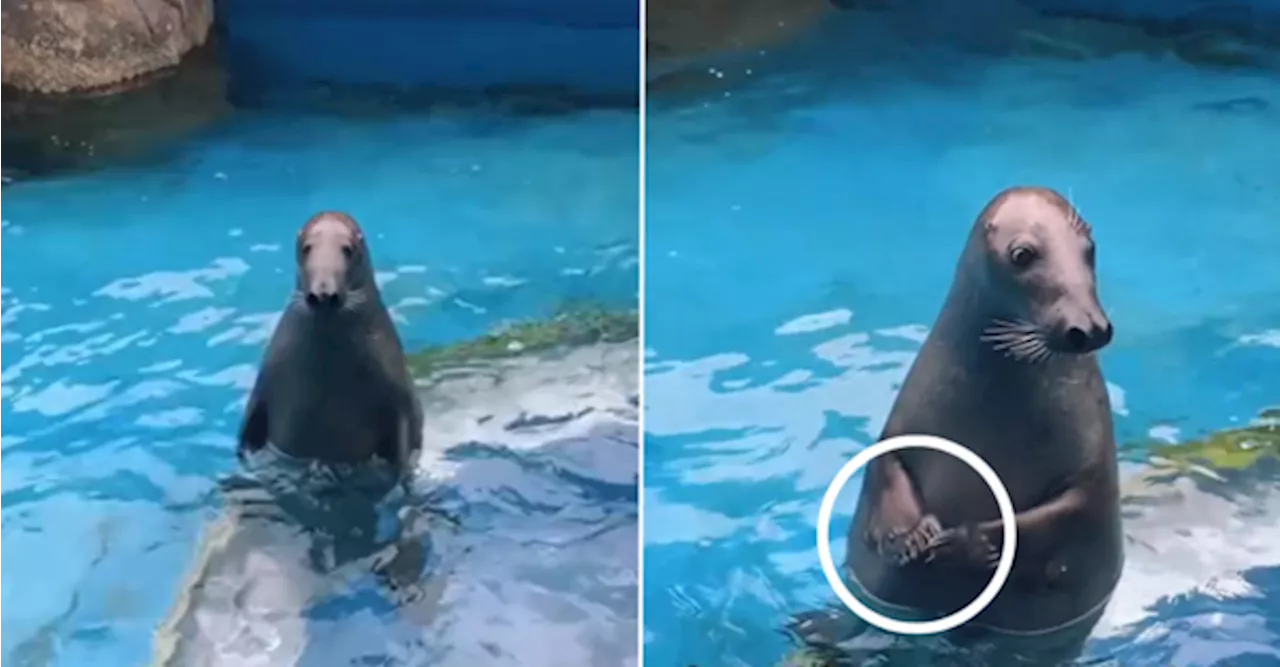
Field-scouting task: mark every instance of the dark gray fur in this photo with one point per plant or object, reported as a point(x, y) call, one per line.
point(1008, 371)
point(334, 385)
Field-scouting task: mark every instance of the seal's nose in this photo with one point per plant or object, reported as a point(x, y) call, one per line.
point(323, 294)
point(1096, 337)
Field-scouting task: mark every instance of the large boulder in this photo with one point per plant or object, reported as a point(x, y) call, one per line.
point(62, 46)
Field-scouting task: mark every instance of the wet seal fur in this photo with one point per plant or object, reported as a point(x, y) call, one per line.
point(334, 385)
point(1008, 370)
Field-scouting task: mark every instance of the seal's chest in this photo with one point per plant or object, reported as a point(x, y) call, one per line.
point(1026, 454)
point(336, 403)
point(332, 401)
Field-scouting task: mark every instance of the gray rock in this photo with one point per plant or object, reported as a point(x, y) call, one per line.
point(62, 46)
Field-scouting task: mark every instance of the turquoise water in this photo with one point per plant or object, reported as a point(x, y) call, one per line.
point(803, 227)
point(136, 306)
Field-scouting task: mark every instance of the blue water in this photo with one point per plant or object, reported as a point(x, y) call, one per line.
point(803, 227)
point(136, 306)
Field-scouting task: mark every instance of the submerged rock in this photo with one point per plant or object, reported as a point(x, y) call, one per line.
point(46, 134)
point(678, 31)
point(570, 328)
point(1222, 49)
point(1074, 38)
point(60, 46)
point(1245, 104)
point(1229, 450)
point(255, 592)
point(1080, 35)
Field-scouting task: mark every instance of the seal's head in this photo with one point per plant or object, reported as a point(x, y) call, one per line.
point(333, 261)
point(1039, 270)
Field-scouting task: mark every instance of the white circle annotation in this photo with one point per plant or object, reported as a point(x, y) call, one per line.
point(1003, 568)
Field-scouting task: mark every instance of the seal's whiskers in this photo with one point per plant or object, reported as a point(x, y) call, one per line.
point(1019, 340)
point(1077, 223)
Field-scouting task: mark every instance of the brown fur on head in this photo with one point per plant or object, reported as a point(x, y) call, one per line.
point(1039, 264)
point(333, 260)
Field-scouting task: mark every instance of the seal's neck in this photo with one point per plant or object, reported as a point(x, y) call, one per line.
point(968, 309)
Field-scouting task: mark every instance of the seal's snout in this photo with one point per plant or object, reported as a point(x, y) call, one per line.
point(324, 294)
point(1095, 336)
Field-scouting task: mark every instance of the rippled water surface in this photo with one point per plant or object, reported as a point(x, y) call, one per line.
point(136, 306)
point(803, 227)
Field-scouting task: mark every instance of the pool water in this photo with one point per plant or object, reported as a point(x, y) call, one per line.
point(803, 225)
point(136, 306)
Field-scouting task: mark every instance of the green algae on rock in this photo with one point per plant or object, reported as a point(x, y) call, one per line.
point(1231, 449)
point(569, 328)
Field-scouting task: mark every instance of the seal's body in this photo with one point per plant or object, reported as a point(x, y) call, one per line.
point(1008, 371)
point(334, 385)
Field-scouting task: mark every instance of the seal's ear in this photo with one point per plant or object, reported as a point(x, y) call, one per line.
point(304, 230)
point(358, 240)
point(1078, 224)
point(299, 244)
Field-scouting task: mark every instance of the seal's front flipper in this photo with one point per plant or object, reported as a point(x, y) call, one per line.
point(914, 545)
point(835, 637)
point(898, 528)
point(402, 569)
point(967, 545)
point(1040, 531)
point(253, 429)
point(397, 449)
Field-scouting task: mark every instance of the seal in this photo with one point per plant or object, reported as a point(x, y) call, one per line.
point(334, 385)
point(1009, 371)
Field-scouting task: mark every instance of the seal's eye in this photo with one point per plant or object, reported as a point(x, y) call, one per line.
point(1022, 256)
point(306, 249)
point(347, 251)
point(1090, 254)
